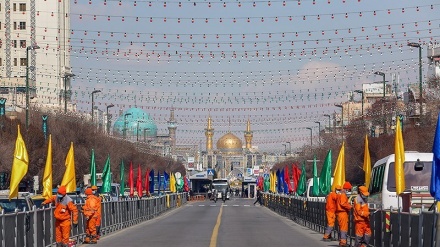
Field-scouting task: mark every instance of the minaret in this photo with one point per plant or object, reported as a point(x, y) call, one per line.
point(209, 133)
point(248, 135)
point(172, 126)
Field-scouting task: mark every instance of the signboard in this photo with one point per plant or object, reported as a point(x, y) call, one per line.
point(240, 175)
point(265, 175)
point(256, 170)
point(372, 88)
point(248, 171)
point(210, 172)
point(190, 163)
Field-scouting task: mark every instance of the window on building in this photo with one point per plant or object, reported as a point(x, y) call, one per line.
point(14, 7)
point(14, 43)
point(0, 24)
point(15, 25)
point(1, 61)
point(23, 61)
point(22, 25)
point(15, 61)
point(23, 43)
point(22, 7)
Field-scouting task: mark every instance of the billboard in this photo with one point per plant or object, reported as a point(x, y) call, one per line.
point(372, 88)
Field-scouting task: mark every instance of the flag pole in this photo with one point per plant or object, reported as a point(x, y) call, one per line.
point(435, 224)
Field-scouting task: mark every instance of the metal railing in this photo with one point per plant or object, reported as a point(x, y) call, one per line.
point(36, 227)
point(389, 227)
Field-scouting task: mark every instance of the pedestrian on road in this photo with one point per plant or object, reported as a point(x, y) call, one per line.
point(64, 211)
point(362, 218)
point(98, 218)
point(90, 211)
point(258, 197)
point(330, 210)
point(343, 208)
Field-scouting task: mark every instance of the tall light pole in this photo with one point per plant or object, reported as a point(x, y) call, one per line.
point(67, 75)
point(342, 119)
point(32, 47)
point(383, 101)
point(319, 131)
point(329, 123)
point(362, 95)
point(417, 45)
point(290, 148)
point(93, 103)
point(125, 125)
point(109, 119)
point(311, 134)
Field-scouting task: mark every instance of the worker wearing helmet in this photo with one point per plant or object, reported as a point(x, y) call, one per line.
point(63, 213)
point(343, 207)
point(362, 218)
point(330, 209)
point(90, 210)
point(98, 219)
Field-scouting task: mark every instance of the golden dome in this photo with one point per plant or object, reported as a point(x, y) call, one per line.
point(228, 142)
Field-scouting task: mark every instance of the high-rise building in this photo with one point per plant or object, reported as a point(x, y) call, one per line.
point(34, 48)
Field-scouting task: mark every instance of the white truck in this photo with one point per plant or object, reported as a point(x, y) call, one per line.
point(114, 193)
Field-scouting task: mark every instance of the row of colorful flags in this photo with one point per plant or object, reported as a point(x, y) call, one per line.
point(21, 162)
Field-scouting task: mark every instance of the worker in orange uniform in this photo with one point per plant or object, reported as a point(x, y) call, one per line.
point(343, 208)
point(330, 209)
point(90, 210)
point(98, 219)
point(63, 213)
point(362, 218)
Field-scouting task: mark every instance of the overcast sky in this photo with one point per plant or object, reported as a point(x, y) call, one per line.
point(282, 64)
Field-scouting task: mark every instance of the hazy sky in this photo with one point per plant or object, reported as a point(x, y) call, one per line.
point(282, 64)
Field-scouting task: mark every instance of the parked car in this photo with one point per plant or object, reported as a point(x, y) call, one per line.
point(22, 202)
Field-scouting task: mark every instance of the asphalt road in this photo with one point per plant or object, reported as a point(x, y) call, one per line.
point(207, 224)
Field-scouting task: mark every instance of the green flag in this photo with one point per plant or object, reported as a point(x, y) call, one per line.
point(106, 177)
point(302, 185)
point(266, 184)
point(325, 183)
point(93, 169)
point(122, 178)
point(315, 188)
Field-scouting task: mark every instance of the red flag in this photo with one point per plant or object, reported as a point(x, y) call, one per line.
point(139, 182)
point(185, 184)
point(130, 180)
point(147, 181)
point(296, 174)
point(287, 179)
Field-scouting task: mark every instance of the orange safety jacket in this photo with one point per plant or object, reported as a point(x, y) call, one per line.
point(91, 206)
point(98, 212)
point(64, 208)
point(330, 204)
point(342, 204)
point(361, 210)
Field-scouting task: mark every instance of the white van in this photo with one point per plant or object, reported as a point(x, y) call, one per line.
point(310, 188)
point(417, 169)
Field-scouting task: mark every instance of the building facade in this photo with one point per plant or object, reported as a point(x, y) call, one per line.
point(35, 53)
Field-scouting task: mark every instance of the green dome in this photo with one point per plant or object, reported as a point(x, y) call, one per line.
point(136, 121)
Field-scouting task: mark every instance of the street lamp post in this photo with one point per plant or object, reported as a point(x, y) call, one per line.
point(417, 45)
point(125, 125)
point(67, 75)
point(329, 123)
point(93, 103)
point(32, 47)
point(383, 101)
point(311, 135)
point(290, 148)
point(362, 95)
point(108, 119)
point(342, 119)
point(319, 131)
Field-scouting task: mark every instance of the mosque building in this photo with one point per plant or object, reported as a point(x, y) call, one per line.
point(231, 159)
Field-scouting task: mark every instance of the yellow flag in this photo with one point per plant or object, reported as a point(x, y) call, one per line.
point(172, 183)
point(19, 165)
point(399, 159)
point(47, 176)
point(69, 178)
point(367, 163)
point(273, 182)
point(339, 174)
